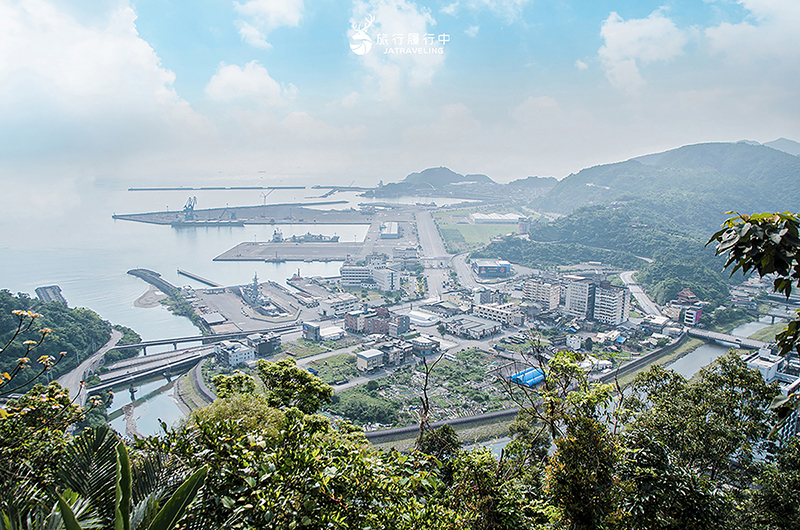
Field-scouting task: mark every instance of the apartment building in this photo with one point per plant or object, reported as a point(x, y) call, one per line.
point(548, 295)
point(611, 304)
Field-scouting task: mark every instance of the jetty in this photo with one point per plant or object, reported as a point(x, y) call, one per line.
point(198, 278)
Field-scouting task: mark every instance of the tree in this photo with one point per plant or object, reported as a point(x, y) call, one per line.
point(290, 386)
point(236, 383)
point(766, 243)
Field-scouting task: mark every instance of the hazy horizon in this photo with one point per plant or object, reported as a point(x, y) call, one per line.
point(148, 92)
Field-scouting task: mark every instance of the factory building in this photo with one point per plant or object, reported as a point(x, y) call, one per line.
point(491, 268)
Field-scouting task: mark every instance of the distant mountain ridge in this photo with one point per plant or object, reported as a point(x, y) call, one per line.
point(689, 187)
point(442, 176)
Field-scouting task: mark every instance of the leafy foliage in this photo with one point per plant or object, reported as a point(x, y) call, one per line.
point(77, 332)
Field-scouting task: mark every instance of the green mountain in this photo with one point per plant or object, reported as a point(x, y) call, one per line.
point(444, 181)
point(688, 188)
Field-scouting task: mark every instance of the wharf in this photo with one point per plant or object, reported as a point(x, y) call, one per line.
point(288, 213)
point(261, 251)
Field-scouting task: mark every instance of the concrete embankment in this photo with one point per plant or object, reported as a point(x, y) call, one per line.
point(402, 433)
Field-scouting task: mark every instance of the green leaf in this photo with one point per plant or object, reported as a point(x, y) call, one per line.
point(122, 505)
point(67, 515)
point(176, 506)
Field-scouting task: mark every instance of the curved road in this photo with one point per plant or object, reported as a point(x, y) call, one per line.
point(636, 290)
point(72, 380)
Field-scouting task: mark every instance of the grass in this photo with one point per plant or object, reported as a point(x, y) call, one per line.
point(304, 348)
point(335, 368)
point(768, 334)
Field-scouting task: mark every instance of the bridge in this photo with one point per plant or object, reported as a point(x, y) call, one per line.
point(740, 342)
point(161, 365)
point(777, 312)
point(204, 339)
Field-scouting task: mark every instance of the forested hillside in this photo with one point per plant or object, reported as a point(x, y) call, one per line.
point(77, 331)
point(688, 188)
point(612, 236)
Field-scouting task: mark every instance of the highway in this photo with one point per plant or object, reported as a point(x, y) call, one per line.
point(429, 239)
point(636, 290)
point(72, 380)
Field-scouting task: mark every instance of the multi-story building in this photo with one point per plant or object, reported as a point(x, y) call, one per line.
point(355, 275)
point(376, 326)
point(369, 360)
point(692, 315)
point(580, 297)
point(337, 305)
point(387, 279)
point(264, 343)
point(232, 353)
point(786, 372)
point(546, 294)
point(611, 304)
point(398, 325)
point(506, 314)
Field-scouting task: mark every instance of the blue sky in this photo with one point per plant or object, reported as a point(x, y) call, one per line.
point(133, 92)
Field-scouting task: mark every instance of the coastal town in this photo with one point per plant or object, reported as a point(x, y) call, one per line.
point(401, 300)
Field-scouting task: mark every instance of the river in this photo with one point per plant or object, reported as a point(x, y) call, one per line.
point(692, 362)
point(78, 246)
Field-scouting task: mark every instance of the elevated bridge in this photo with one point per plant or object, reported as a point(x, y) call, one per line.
point(739, 342)
point(205, 339)
point(168, 366)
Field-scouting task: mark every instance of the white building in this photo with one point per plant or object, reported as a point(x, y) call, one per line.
point(369, 360)
point(388, 280)
point(580, 297)
point(337, 305)
point(232, 353)
point(574, 342)
point(495, 218)
point(506, 314)
point(611, 304)
point(546, 294)
point(355, 275)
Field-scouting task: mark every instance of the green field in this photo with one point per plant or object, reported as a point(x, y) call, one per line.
point(335, 368)
point(458, 236)
point(768, 334)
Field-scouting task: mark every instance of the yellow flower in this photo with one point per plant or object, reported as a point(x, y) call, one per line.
point(23, 360)
point(5, 374)
point(45, 359)
point(45, 331)
point(28, 342)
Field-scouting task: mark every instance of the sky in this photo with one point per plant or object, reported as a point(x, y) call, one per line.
point(118, 93)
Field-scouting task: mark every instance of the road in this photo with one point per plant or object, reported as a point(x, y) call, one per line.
point(636, 290)
point(464, 271)
point(72, 380)
point(429, 239)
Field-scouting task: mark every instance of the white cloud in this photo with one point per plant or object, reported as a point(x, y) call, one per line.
point(92, 89)
point(472, 31)
point(450, 9)
point(580, 65)
point(637, 41)
point(771, 33)
point(252, 36)
point(393, 73)
point(252, 82)
point(262, 16)
point(350, 100)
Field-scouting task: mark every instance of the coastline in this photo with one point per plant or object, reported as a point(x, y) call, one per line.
point(150, 298)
